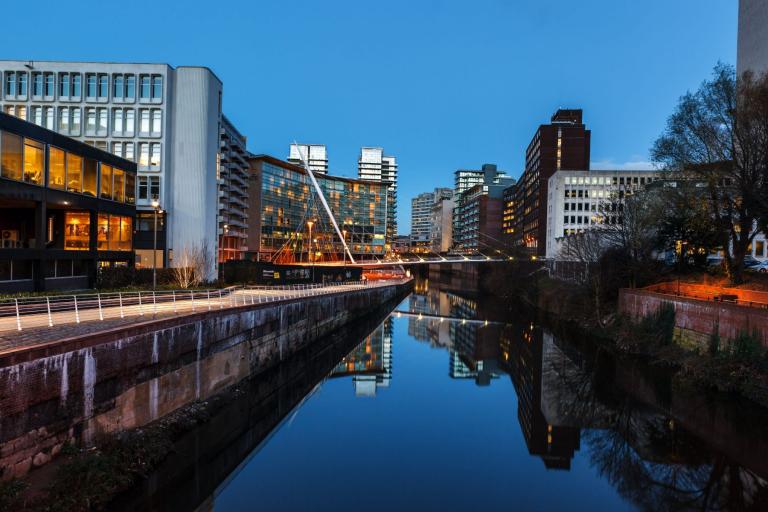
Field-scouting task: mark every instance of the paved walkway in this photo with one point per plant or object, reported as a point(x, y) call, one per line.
point(38, 326)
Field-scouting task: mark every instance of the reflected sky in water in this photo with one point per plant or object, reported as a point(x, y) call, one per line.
point(432, 423)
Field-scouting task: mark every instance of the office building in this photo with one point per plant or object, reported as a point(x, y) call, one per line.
point(282, 202)
point(581, 200)
point(508, 215)
point(752, 47)
point(373, 165)
point(441, 221)
point(163, 118)
point(478, 212)
point(66, 209)
point(464, 179)
point(315, 155)
point(421, 212)
point(232, 176)
point(562, 144)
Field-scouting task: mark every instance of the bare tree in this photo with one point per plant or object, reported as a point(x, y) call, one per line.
point(191, 265)
point(586, 248)
point(719, 135)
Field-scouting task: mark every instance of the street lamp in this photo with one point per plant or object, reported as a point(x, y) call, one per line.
point(156, 208)
point(309, 255)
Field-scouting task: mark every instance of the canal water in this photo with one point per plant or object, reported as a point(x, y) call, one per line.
point(454, 403)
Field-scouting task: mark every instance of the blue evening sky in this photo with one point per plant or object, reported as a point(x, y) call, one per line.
point(440, 85)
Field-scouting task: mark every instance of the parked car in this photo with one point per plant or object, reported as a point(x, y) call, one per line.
point(750, 261)
point(714, 261)
point(761, 267)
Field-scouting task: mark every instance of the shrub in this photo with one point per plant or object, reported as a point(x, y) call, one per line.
point(747, 346)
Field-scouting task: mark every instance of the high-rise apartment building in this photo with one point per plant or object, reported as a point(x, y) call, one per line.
point(232, 176)
point(373, 165)
point(562, 144)
point(464, 179)
point(316, 156)
point(752, 50)
point(421, 210)
point(163, 118)
point(441, 220)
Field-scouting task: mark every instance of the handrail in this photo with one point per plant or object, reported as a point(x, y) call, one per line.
point(52, 310)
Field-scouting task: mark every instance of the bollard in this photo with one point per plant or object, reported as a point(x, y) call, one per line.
point(50, 318)
point(18, 318)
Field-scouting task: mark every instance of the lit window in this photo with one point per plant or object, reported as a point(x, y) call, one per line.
point(11, 156)
point(77, 231)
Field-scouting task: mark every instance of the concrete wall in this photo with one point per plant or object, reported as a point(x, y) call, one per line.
point(86, 387)
point(697, 319)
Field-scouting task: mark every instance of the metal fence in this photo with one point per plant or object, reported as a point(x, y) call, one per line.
point(23, 313)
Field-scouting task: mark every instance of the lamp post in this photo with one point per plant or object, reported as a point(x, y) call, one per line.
point(309, 255)
point(155, 208)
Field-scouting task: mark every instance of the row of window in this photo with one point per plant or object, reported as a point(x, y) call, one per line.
point(70, 120)
point(113, 232)
point(70, 87)
point(586, 219)
point(608, 180)
point(23, 159)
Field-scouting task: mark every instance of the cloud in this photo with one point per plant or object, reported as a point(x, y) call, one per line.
point(632, 165)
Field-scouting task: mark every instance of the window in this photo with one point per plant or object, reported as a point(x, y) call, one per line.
point(37, 85)
point(103, 87)
point(50, 85)
point(759, 248)
point(36, 115)
point(157, 122)
point(157, 88)
point(118, 189)
point(130, 87)
point(144, 122)
point(10, 84)
point(90, 176)
point(90, 121)
point(77, 80)
point(90, 86)
point(77, 231)
point(102, 126)
point(48, 111)
point(154, 158)
point(123, 122)
point(74, 173)
point(74, 126)
point(118, 87)
point(144, 88)
point(114, 233)
point(106, 181)
point(64, 120)
point(149, 187)
point(64, 85)
point(34, 158)
point(130, 188)
point(144, 155)
point(11, 156)
point(124, 150)
point(57, 169)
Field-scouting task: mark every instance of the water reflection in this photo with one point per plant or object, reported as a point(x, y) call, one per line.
point(567, 397)
point(370, 363)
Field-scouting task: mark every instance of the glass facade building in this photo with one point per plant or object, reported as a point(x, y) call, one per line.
point(65, 209)
point(286, 205)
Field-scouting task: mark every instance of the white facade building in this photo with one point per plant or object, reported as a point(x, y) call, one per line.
point(315, 154)
point(373, 165)
point(166, 119)
point(421, 213)
point(575, 198)
point(441, 221)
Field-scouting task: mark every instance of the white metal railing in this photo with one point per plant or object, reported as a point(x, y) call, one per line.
point(50, 311)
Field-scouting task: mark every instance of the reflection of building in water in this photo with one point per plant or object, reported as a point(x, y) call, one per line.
point(521, 357)
point(417, 327)
point(370, 363)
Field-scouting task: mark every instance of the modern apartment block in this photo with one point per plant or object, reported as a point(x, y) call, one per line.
point(232, 176)
point(562, 144)
point(283, 202)
point(373, 165)
point(316, 156)
point(580, 200)
point(421, 210)
point(478, 212)
point(66, 209)
point(165, 119)
point(464, 179)
point(752, 48)
point(441, 221)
